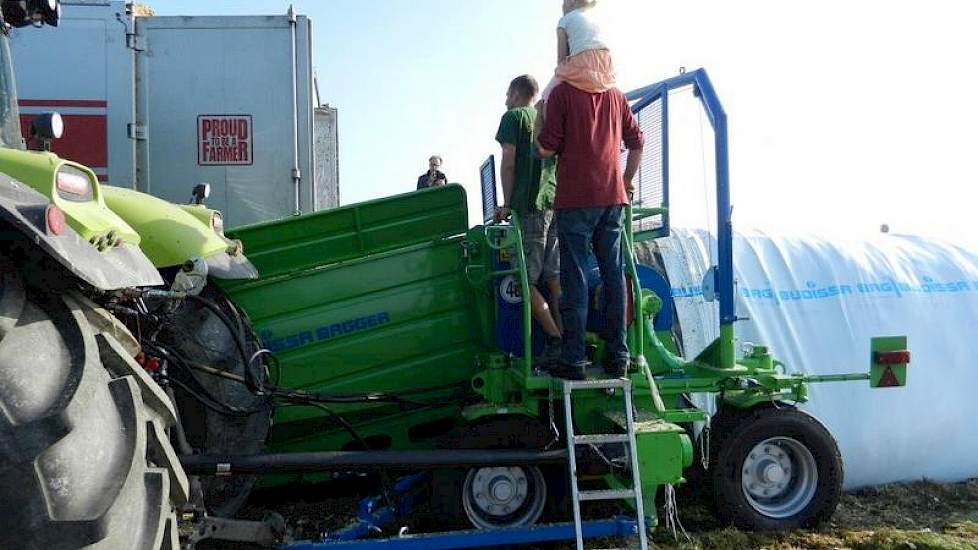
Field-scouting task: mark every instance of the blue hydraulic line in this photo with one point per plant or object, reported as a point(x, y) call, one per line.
point(507, 538)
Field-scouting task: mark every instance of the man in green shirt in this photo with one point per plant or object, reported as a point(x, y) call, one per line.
point(529, 185)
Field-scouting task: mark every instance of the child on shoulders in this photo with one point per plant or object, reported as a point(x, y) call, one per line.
point(583, 58)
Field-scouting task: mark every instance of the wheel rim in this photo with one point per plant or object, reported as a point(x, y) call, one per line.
point(499, 497)
point(779, 477)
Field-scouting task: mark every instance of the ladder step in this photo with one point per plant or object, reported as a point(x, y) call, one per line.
point(604, 384)
point(606, 494)
point(597, 439)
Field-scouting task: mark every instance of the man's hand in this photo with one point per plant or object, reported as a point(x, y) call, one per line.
point(544, 153)
point(631, 168)
point(502, 213)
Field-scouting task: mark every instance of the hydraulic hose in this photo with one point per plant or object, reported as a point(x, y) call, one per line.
point(346, 460)
point(252, 381)
point(202, 395)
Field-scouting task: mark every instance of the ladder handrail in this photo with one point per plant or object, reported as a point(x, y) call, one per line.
point(520, 270)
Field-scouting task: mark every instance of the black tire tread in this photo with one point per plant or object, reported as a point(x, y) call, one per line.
point(730, 425)
point(80, 442)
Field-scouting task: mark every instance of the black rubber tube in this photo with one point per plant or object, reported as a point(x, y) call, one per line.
point(252, 381)
point(290, 463)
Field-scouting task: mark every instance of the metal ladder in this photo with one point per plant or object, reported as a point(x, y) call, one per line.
point(627, 438)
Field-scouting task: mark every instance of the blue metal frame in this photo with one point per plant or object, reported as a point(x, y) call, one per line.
point(703, 88)
point(373, 515)
point(614, 528)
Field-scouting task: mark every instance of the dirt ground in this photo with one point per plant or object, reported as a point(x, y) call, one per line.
point(907, 516)
point(913, 516)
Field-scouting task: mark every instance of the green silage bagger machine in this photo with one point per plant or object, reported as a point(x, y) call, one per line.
point(405, 336)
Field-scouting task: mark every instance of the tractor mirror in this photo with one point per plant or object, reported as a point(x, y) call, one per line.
point(45, 128)
point(201, 192)
point(48, 126)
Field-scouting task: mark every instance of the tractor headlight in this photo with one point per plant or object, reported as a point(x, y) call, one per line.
point(217, 222)
point(74, 184)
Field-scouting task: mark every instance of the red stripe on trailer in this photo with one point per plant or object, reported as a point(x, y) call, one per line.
point(84, 140)
point(62, 103)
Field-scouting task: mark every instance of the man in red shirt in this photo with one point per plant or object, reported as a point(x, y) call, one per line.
point(587, 131)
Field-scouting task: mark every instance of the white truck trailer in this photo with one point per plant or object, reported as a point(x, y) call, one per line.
point(162, 103)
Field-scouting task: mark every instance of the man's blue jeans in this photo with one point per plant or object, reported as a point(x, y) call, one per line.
point(578, 229)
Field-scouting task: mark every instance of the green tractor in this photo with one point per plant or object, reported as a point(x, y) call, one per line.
point(84, 426)
point(136, 336)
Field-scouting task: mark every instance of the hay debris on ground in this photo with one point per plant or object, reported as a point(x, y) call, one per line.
point(924, 515)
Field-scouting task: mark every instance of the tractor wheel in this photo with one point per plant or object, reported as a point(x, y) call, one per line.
point(774, 469)
point(199, 335)
point(499, 497)
point(86, 460)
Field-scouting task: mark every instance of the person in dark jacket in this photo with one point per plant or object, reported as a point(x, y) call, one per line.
point(433, 177)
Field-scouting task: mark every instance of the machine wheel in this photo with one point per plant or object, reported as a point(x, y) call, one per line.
point(86, 460)
point(499, 497)
point(199, 335)
point(775, 469)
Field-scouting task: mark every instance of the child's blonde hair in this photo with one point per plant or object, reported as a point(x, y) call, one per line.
point(578, 4)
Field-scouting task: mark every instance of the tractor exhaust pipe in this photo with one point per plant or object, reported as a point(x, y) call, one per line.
point(293, 463)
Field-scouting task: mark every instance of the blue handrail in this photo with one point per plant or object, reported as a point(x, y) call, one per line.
point(703, 88)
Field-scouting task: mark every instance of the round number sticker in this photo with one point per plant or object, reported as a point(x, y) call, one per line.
point(509, 290)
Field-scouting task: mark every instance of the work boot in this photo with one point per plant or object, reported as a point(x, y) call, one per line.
point(617, 367)
point(567, 372)
point(551, 353)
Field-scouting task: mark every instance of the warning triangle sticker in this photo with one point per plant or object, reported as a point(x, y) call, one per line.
point(888, 379)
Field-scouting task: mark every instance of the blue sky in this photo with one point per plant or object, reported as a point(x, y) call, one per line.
point(412, 78)
point(843, 115)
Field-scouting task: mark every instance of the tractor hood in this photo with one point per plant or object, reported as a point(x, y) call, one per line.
point(75, 190)
point(171, 234)
point(121, 266)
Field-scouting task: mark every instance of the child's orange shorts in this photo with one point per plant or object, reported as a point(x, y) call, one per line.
point(591, 71)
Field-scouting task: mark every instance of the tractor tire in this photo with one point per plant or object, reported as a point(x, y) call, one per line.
point(86, 460)
point(199, 335)
point(774, 469)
